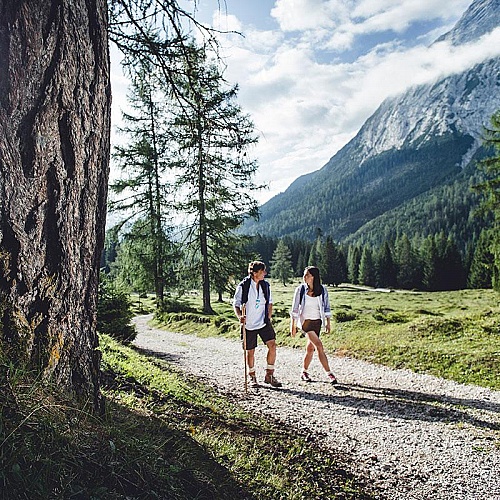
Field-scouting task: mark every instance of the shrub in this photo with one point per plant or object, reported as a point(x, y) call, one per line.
point(114, 311)
point(390, 316)
point(343, 316)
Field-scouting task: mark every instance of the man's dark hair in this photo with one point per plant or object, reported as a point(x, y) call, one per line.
point(256, 266)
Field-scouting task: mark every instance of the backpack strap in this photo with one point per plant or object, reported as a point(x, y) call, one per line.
point(303, 291)
point(245, 285)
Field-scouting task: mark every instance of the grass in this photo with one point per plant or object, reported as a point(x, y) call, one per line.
point(167, 436)
point(455, 335)
point(163, 436)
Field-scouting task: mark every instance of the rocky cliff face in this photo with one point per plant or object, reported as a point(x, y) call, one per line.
point(460, 103)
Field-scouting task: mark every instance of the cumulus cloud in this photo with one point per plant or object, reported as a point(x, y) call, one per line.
point(306, 99)
point(305, 106)
point(301, 15)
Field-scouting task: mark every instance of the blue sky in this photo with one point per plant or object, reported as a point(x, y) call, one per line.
point(310, 72)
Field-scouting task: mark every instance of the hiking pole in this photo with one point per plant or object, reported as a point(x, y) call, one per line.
point(244, 334)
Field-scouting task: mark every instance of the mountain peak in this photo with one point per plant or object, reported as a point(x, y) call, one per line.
point(480, 18)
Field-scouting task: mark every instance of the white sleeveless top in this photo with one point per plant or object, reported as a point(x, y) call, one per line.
point(312, 309)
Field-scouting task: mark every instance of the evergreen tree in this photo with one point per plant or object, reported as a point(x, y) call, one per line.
point(142, 193)
point(136, 259)
point(302, 261)
point(261, 247)
point(114, 311)
point(281, 263)
point(341, 268)
point(430, 261)
point(229, 260)
point(480, 273)
point(490, 188)
point(353, 260)
point(334, 263)
point(453, 271)
point(367, 268)
point(385, 267)
point(328, 261)
point(407, 263)
point(315, 253)
point(215, 171)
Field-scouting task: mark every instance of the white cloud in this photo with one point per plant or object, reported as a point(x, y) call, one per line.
point(306, 107)
point(301, 15)
point(397, 15)
point(306, 110)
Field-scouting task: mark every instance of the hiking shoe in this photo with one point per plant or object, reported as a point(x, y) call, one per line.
point(305, 377)
point(332, 379)
point(272, 380)
point(253, 381)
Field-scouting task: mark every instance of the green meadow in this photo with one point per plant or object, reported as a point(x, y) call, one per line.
point(455, 335)
point(166, 435)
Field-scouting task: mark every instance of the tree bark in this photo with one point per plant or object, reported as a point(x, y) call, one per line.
point(54, 162)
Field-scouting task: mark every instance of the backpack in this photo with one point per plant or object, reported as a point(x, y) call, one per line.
point(303, 291)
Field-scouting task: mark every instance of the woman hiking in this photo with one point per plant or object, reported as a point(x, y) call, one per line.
point(311, 309)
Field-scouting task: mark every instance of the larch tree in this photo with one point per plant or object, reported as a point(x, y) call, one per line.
point(54, 153)
point(143, 191)
point(216, 172)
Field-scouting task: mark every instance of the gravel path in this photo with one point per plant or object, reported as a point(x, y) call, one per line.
point(415, 436)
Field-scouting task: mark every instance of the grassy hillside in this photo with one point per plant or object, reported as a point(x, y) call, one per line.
point(455, 335)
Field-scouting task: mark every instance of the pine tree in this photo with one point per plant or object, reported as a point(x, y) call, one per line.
point(333, 262)
point(385, 267)
point(453, 271)
point(353, 260)
point(481, 269)
point(407, 263)
point(430, 262)
point(315, 254)
point(367, 268)
point(302, 262)
point(281, 263)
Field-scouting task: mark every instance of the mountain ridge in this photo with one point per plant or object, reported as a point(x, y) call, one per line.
point(412, 144)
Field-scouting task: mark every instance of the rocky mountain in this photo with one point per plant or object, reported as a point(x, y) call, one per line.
point(410, 149)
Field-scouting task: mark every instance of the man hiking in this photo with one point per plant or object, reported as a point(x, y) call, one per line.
point(254, 294)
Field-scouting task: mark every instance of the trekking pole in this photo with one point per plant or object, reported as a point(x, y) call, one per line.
point(244, 333)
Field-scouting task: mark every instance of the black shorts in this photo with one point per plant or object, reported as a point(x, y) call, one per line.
point(312, 325)
point(266, 333)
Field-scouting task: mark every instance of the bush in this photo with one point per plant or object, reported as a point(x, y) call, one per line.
point(390, 316)
point(343, 316)
point(170, 305)
point(114, 311)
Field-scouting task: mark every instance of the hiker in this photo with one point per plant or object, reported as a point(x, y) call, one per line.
point(311, 309)
point(254, 292)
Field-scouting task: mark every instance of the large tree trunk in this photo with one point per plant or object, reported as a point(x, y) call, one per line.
point(54, 161)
